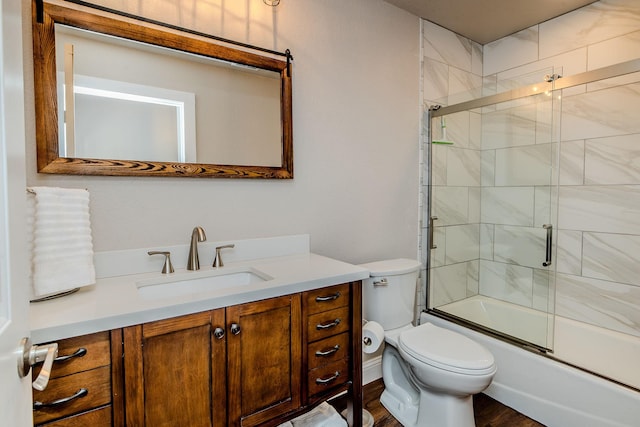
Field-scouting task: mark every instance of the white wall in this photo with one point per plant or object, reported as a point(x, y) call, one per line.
point(356, 125)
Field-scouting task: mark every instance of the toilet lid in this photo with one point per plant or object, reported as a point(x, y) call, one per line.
point(392, 267)
point(446, 349)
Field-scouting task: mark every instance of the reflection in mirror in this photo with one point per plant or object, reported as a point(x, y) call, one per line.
point(130, 99)
point(108, 119)
point(115, 116)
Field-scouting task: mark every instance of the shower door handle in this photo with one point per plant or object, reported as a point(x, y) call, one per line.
point(549, 229)
point(432, 245)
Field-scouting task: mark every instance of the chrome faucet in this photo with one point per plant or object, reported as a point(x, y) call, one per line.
point(193, 262)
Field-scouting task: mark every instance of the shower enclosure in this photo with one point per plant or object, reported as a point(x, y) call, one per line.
point(492, 192)
point(534, 195)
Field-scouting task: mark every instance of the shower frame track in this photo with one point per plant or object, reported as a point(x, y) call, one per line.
point(603, 73)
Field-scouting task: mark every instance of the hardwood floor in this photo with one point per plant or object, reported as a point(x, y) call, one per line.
point(488, 412)
point(491, 413)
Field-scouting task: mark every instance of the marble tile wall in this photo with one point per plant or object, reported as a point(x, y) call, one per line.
point(517, 158)
point(452, 73)
point(598, 225)
point(504, 197)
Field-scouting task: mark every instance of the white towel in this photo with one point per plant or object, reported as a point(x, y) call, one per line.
point(324, 415)
point(60, 238)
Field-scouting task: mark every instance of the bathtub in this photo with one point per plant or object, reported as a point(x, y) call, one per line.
point(551, 392)
point(531, 325)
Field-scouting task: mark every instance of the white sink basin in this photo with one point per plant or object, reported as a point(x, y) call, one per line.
point(199, 282)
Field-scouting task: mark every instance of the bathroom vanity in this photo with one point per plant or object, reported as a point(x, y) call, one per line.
point(252, 354)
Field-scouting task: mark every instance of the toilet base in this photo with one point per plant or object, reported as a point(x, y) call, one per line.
point(445, 410)
point(404, 412)
point(434, 410)
point(415, 406)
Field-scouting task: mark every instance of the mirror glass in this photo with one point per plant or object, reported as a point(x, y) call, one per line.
point(131, 99)
point(162, 105)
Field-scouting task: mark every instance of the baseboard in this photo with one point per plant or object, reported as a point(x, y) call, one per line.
point(371, 370)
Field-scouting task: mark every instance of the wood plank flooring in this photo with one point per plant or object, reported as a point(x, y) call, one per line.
point(488, 412)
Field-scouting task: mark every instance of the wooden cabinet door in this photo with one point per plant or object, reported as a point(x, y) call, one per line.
point(175, 372)
point(264, 359)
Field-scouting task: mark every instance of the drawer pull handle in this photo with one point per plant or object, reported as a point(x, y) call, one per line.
point(329, 352)
point(78, 394)
point(320, 326)
point(78, 353)
point(328, 380)
point(328, 297)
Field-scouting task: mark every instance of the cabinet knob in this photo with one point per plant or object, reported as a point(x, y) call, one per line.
point(218, 333)
point(235, 328)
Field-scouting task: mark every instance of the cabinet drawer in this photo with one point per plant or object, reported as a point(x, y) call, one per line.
point(97, 418)
point(327, 377)
point(97, 382)
point(80, 354)
point(327, 323)
point(325, 299)
point(328, 350)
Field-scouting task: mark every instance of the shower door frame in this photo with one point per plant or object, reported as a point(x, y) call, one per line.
point(603, 73)
point(552, 85)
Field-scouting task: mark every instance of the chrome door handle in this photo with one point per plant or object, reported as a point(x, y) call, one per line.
point(29, 355)
point(549, 229)
point(381, 282)
point(235, 328)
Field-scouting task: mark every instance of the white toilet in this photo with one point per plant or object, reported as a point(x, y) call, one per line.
point(430, 373)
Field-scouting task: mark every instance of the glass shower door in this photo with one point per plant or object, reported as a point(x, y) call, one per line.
point(492, 205)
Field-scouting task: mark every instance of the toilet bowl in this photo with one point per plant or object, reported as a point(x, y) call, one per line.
point(430, 373)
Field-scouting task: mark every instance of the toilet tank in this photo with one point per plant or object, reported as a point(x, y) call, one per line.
point(389, 294)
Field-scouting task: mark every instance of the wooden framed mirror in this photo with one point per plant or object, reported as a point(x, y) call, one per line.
point(122, 97)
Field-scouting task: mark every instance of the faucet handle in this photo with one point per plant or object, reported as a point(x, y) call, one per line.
point(217, 260)
point(167, 267)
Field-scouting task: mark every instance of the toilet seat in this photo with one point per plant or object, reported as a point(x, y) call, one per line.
point(392, 335)
point(452, 352)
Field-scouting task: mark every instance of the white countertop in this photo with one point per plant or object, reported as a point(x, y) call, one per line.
point(114, 302)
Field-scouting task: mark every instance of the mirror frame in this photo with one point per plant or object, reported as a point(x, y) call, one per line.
point(46, 103)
